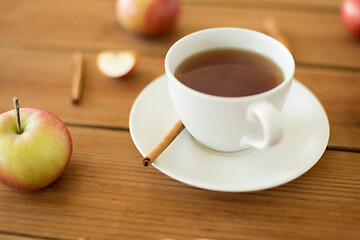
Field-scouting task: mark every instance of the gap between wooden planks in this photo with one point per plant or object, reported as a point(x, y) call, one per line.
point(45, 82)
point(317, 38)
point(14, 236)
point(307, 225)
point(104, 191)
point(294, 5)
point(299, 5)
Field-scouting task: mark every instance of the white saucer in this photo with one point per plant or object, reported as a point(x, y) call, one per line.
point(306, 134)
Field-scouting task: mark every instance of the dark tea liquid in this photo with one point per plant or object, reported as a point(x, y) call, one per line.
point(229, 72)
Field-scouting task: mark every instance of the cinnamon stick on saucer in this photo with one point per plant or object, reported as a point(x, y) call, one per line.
point(163, 144)
point(272, 29)
point(77, 79)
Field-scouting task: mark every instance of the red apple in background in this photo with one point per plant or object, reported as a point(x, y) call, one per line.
point(147, 17)
point(350, 15)
point(35, 158)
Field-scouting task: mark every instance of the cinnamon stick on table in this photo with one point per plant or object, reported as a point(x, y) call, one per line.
point(163, 144)
point(272, 29)
point(77, 79)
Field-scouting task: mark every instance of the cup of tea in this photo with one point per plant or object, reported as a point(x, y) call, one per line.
point(228, 86)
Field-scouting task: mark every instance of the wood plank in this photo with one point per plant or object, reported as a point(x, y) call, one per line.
point(41, 79)
point(315, 5)
point(316, 37)
point(338, 91)
point(4, 236)
point(318, 5)
point(106, 194)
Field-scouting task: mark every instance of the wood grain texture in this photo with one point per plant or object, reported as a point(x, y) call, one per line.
point(338, 91)
point(106, 194)
point(42, 79)
point(4, 236)
point(300, 5)
point(316, 37)
point(315, 5)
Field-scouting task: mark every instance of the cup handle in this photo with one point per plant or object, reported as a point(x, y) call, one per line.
point(271, 124)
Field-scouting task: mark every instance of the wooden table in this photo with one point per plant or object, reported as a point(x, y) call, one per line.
point(105, 192)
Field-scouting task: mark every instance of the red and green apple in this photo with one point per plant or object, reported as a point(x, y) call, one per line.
point(35, 158)
point(350, 15)
point(147, 17)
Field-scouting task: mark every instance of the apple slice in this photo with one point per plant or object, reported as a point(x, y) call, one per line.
point(116, 63)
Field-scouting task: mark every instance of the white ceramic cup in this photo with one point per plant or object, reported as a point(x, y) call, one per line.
point(230, 123)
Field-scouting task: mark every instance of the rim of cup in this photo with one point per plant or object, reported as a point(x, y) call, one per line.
point(214, 97)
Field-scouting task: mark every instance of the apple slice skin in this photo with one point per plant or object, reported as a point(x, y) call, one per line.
point(37, 157)
point(124, 62)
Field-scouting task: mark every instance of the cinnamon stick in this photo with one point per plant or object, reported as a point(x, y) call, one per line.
point(77, 79)
point(272, 29)
point(163, 144)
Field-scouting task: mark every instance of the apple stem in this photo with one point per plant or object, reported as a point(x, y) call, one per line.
point(17, 110)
